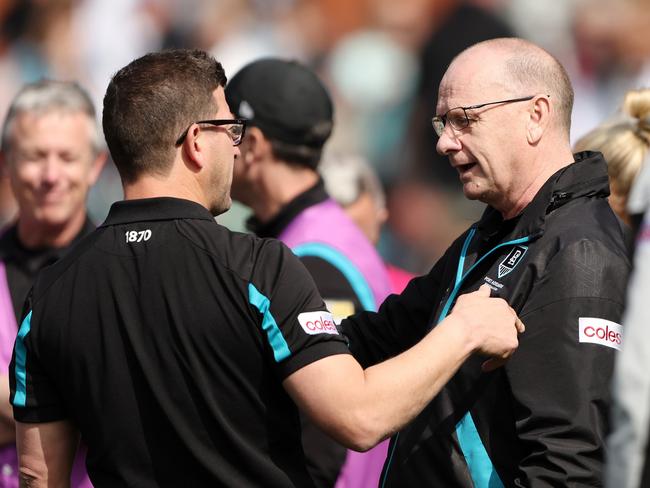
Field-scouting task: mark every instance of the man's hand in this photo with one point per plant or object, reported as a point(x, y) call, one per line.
point(491, 325)
point(360, 407)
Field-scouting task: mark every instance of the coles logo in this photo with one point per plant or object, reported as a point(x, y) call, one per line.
point(600, 331)
point(319, 322)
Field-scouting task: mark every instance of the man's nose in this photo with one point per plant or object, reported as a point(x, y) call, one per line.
point(448, 141)
point(51, 168)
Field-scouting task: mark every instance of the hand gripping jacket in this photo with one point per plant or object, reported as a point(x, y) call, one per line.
point(542, 419)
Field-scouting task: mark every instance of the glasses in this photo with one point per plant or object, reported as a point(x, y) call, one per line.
point(457, 116)
point(236, 129)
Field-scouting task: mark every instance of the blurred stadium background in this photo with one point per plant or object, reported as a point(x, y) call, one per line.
point(381, 59)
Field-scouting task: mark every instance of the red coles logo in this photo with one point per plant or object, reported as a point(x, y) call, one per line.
point(319, 322)
point(600, 331)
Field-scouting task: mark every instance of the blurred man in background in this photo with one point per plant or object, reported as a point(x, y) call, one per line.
point(291, 117)
point(353, 183)
point(53, 153)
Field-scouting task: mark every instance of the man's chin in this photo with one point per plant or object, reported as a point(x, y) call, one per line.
point(52, 218)
point(221, 207)
point(471, 193)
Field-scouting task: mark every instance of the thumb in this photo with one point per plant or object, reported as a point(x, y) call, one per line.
point(484, 290)
point(492, 364)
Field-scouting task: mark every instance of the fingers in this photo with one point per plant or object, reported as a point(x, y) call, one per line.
point(520, 325)
point(492, 364)
point(484, 290)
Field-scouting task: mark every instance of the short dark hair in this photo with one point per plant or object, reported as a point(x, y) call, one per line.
point(149, 103)
point(295, 154)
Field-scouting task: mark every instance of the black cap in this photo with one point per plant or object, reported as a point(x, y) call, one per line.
point(284, 99)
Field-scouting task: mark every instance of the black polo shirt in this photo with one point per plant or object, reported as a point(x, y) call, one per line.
point(165, 338)
point(22, 264)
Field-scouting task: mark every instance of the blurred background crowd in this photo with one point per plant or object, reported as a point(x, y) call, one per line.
point(381, 59)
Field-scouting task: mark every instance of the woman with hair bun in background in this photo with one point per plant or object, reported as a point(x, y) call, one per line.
point(624, 141)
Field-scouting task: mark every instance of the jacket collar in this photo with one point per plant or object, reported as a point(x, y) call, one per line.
point(585, 177)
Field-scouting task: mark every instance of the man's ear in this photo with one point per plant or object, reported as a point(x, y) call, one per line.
point(256, 147)
point(193, 148)
point(539, 119)
point(97, 166)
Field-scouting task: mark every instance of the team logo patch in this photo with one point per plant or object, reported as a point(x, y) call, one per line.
point(319, 322)
point(600, 331)
point(511, 260)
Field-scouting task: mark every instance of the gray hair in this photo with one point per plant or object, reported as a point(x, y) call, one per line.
point(46, 96)
point(347, 177)
point(527, 66)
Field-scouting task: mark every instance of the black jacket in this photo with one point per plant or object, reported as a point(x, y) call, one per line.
point(542, 419)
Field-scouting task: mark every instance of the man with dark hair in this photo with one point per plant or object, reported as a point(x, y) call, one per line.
point(175, 347)
point(53, 152)
point(290, 116)
point(550, 245)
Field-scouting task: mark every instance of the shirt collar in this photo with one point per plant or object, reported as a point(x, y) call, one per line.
point(150, 209)
point(273, 228)
point(34, 259)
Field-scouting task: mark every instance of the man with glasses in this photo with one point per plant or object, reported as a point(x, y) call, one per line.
point(177, 348)
point(53, 152)
point(550, 245)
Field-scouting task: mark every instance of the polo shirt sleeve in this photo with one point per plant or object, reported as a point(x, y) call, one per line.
point(294, 321)
point(33, 394)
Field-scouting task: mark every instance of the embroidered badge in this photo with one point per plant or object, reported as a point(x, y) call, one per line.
point(511, 260)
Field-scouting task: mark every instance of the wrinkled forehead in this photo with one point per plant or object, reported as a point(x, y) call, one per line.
point(472, 79)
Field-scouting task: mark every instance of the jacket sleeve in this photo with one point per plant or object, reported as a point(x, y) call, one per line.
point(560, 375)
point(401, 321)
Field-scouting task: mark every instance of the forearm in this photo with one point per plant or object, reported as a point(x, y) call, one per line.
point(373, 404)
point(7, 425)
point(395, 391)
point(45, 453)
point(360, 408)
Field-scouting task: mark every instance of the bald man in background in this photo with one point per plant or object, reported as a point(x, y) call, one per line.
point(550, 245)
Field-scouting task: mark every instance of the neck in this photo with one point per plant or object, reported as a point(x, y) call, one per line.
point(148, 186)
point(547, 164)
point(35, 235)
point(280, 188)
